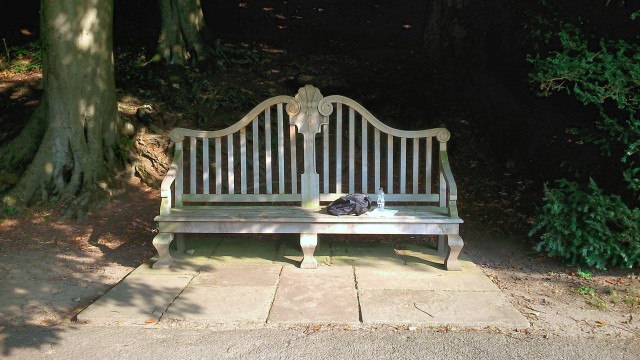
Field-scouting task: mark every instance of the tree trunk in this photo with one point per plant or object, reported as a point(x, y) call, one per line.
point(181, 39)
point(76, 153)
point(449, 45)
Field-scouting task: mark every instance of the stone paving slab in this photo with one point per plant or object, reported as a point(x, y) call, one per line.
point(201, 244)
point(304, 299)
point(246, 251)
point(222, 304)
point(239, 275)
point(137, 299)
point(182, 264)
point(438, 308)
point(328, 271)
point(256, 281)
point(364, 254)
point(412, 279)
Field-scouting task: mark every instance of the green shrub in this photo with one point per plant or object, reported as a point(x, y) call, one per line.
point(586, 227)
point(605, 74)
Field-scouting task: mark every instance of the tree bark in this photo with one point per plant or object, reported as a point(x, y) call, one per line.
point(76, 153)
point(181, 33)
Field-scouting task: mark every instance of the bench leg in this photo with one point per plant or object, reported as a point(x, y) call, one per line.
point(455, 245)
point(442, 245)
point(308, 244)
point(181, 243)
point(161, 243)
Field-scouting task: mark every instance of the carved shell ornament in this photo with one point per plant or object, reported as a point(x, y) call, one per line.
point(307, 97)
point(305, 105)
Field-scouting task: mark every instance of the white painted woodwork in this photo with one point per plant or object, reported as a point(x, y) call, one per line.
point(294, 159)
point(256, 157)
point(218, 165)
point(339, 149)
point(230, 163)
point(416, 164)
point(263, 211)
point(243, 161)
point(428, 168)
point(281, 180)
point(376, 139)
point(325, 159)
point(205, 165)
point(403, 165)
point(180, 172)
point(193, 152)
point(365, 167)
point(390, 164)
point(352, 151)
point(267, 149)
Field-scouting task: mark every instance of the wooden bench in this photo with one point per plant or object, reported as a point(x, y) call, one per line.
point(247, 179)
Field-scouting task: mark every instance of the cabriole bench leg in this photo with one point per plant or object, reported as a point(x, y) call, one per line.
point(455, 245)
point(308, 244)
point(161, 243)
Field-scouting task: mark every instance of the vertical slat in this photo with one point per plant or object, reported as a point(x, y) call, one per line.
point(365, 167)
point(352, 151)
point(256, 158)
point(429, 155)
point(179, 176)
point(267, 147)
point(389, 164)
point(403, 165)
point(243, 161)
point(193, 148)
point(205, 165)
point(230, 170)
point(280, 150)
point(325, 161)
point(376, 145)
point(339, 148)
point(294, 159)
point(218, 165)
point(443, 184)
point(416, 162)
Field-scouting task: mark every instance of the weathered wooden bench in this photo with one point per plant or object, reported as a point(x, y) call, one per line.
point(246, 178)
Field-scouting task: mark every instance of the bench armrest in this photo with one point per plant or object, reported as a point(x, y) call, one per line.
point(452, 193)
point(169, 179)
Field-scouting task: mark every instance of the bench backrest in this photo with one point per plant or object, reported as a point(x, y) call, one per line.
point(273, 153)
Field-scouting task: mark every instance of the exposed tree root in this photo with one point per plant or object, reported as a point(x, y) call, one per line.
point(15, 156)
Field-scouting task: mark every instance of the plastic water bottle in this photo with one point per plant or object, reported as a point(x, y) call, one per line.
point(380, 200)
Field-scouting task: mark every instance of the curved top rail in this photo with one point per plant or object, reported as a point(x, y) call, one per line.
point(326, 108)
point(292, 108)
